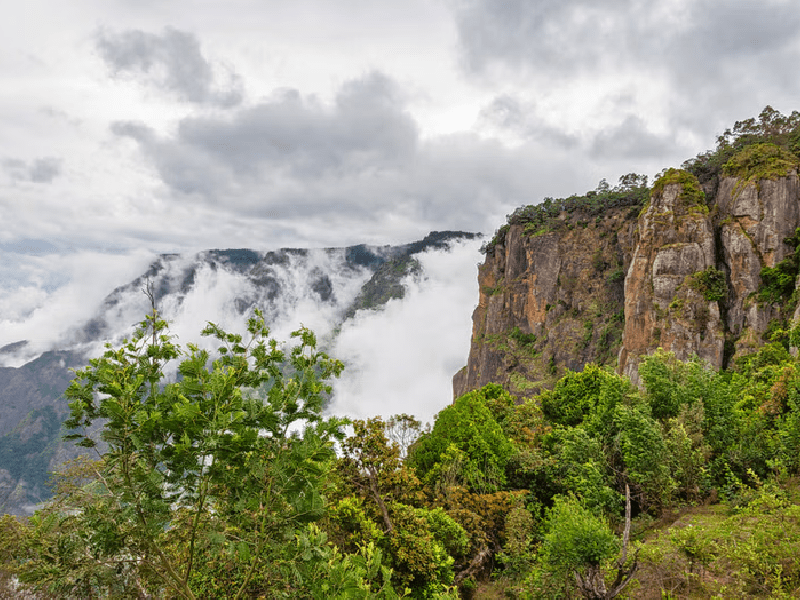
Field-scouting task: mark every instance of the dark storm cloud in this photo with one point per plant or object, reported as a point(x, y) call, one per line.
point(359, 158)
point(173, 61)
point(562, 37)
point(631, 139)
point(39, 170)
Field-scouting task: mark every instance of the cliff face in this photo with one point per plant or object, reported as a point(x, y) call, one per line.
point(663, 305)
point(755, 218)
point(550, 299)
point(683, 272)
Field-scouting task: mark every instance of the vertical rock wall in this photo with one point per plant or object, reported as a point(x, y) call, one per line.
point(754, 219)
point(549, 300)
point(554, 299)
point(663, 307)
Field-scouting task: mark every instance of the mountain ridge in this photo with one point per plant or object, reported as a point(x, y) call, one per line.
point(32, 404)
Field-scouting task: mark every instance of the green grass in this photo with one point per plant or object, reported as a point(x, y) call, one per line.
point(760, 161)
point(691, 193)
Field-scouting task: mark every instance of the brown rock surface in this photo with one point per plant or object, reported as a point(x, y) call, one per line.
point(662, 309)
point(552, 298)
point(549, 301)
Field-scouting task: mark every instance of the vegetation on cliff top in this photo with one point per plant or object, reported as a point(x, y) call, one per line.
point(760, 161)
point(766, 146)
point(631, 191)
point(770, 127)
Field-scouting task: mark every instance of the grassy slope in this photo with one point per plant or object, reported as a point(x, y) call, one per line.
point(737, 548)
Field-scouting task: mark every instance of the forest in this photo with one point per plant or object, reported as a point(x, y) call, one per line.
point(232, 483)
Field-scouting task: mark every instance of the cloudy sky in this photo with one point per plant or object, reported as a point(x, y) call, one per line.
point(132, 127)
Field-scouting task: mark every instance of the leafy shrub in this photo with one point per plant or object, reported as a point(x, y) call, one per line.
point(577, 541)
point(523, 339)
point(711, 283)
point(617, 274)
point(778, 282)
point(470, 426)
point(760, 161)
point(518, 552)
point(574, 396)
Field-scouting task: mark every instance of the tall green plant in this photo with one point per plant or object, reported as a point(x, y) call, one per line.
point(203, 471)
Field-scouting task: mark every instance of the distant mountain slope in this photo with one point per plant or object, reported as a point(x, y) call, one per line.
point(319, 287)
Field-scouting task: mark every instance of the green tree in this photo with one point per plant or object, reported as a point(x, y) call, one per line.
point(640, 442)
point(670, 383)
point(372, 467)
point(203, 471)
point(580, 467)
point(579, 545)
point(592, 392)
point(420, 543)
point(470, 425)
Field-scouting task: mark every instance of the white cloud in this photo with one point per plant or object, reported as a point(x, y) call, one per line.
point(52, 293)
point(366, 122)
point(402, 359)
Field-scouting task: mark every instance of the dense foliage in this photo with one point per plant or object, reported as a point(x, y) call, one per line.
point(227, 483)
point(767, 143)
point(711, 283)
point(209, 489)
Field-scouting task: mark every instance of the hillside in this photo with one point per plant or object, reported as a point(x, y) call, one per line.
point(702, 263)
point(670, 469)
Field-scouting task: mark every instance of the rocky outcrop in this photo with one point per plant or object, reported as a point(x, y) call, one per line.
point(664, 305)
point(552, 296)
point(550, 299)
point(754, 220)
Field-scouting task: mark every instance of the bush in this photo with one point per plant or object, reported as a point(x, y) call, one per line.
point(711, 283)
point(778, 282)
point(577, 542)
point(760, 161)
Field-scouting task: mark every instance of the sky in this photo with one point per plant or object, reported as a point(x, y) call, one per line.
point(129, 128)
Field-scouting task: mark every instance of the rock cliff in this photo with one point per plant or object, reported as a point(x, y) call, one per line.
point(706, 268)
point(664, 303)
point(551, 298)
